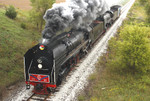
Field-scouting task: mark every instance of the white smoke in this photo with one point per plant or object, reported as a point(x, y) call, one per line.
point(72, 13)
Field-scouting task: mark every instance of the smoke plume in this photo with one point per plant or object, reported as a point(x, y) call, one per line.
point(72, 13)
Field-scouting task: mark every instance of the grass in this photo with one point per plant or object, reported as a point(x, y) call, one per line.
point(137, 13)
point(111, 82)
point(14, 42)
point(114, 86)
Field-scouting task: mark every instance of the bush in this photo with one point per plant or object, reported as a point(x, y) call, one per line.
point(23, 25)
point(11, 12)
point(134, 48)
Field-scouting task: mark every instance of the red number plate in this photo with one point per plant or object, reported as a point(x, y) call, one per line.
point(39, 78)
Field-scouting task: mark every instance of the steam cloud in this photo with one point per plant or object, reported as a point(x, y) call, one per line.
point(72, 13)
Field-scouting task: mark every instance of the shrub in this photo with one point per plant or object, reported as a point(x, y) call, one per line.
point(134, 48)
point(11, 12)
point(23, 25)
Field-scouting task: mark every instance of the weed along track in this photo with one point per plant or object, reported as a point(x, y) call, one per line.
point(77, 78)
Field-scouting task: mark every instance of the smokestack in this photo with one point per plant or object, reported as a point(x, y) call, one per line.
point(72, 13)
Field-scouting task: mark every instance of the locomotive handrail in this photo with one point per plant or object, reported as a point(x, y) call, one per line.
point(51, 75)
point(54, 71)
point(74, 51)
point(30, 66)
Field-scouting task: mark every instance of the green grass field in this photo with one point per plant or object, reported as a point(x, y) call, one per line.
point(113, 85)
point(111, 82)
point(14, 42)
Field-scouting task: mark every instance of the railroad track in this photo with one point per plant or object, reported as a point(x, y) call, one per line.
point(37, 97)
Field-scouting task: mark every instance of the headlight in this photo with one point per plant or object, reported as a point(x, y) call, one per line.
point(40, 66)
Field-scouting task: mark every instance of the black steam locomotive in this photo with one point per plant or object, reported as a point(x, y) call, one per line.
point(47, 63)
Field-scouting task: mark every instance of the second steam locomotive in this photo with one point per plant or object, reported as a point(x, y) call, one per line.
point(48, 62)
